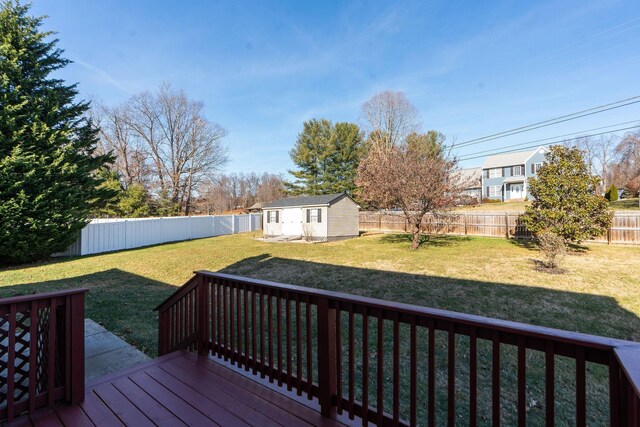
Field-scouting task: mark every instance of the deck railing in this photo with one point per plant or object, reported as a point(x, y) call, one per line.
point(398, 364)
point(41, 351)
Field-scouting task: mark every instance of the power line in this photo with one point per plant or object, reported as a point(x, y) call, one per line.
point(554, 137)
point(550, 122)
point(472, 156)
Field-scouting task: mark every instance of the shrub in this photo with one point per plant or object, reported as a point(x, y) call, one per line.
point(565, 199)
point(553, 248)
point(612, 193)
point(488, 200)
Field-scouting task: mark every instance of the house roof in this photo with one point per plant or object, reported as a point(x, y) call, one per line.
point(514, 179)
point(323, 199)
point(508, 159)
point(256, 206)
point(471, 177)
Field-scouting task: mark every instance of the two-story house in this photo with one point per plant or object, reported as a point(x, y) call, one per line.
point(504, 176)
point(471, 181)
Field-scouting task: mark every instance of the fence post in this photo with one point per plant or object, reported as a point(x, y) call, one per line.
point(609, 235)
point(379, 221)
point(465, 224)
point(327, 381)
point(233, 224)
point(203, 316)
point(506, 224)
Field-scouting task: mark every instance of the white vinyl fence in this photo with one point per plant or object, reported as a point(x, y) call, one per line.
point(114, 234)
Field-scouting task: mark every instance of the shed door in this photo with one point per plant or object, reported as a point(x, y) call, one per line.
point(292, 222)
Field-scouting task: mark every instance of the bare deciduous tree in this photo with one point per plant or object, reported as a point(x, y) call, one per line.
point(390, 118)
point(232, 191)
point(184, 147)
point(626, 171)
point(598, 154)
point(413, 175)
point(118, 138)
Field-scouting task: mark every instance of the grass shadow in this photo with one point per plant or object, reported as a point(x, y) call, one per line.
point(577, 249)
point(426, 240)
point(120, 301)
point(530, 244)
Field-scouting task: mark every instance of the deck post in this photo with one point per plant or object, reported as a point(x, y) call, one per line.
point(77, 347)
point(203, 317)
point(327, 381)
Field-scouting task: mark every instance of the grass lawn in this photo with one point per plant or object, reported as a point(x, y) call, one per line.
point(625, 204)
point(600, 294)
point(620, 205)
point(497, 207)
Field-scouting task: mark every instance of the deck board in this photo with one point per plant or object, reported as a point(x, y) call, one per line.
point(73, 415)
point(249, 410)
point(147, 404)
point(182, 389)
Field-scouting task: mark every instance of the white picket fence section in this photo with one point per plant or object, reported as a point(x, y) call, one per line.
point(114, 234)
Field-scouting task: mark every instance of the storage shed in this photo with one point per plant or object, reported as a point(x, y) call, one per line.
point(316, 218)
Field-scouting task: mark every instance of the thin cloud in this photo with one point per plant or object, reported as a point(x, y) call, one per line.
point(102, 75)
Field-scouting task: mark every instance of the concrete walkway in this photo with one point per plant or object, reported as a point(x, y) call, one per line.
point(105, 353)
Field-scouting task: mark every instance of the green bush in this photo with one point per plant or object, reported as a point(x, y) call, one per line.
point(612, 193)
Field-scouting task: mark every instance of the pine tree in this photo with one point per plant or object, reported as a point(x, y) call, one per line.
point(347, 149)
point(327, 157)
point(49, 179)
point(310, 155)
point(612, 193)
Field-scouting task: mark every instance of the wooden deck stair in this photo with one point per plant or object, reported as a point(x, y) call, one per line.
point(182, 389)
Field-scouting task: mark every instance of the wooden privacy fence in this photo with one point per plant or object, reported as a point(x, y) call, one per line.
point(625, 227)
point(41, 351)
point(399, 364)
point(114, 234)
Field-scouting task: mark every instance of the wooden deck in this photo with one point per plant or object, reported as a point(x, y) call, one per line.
point(180, 389)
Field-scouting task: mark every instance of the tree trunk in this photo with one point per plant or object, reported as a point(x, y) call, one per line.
point(415, 243)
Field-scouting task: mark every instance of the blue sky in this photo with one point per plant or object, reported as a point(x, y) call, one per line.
point(263, 68)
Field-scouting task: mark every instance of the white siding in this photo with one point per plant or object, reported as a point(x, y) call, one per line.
point(343, 218)
point(271, 228)
point(315, 230)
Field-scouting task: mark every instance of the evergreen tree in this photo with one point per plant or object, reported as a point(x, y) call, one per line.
point(346, 150)
point(111, 183)
point(612, 193)
point(134, 202)
point(49, 181)
point(310, 155)
point(327, 157)
point(565, 199)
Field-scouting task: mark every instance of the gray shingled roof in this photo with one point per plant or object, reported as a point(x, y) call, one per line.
point(324, 199)
point(508, 159)
point(470, 178)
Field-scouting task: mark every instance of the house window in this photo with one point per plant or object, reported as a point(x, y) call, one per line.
point(495, 173)
point(495, 191)
point(517, 171)
point(535, 167)
point(314, 215)
point(273, 216)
